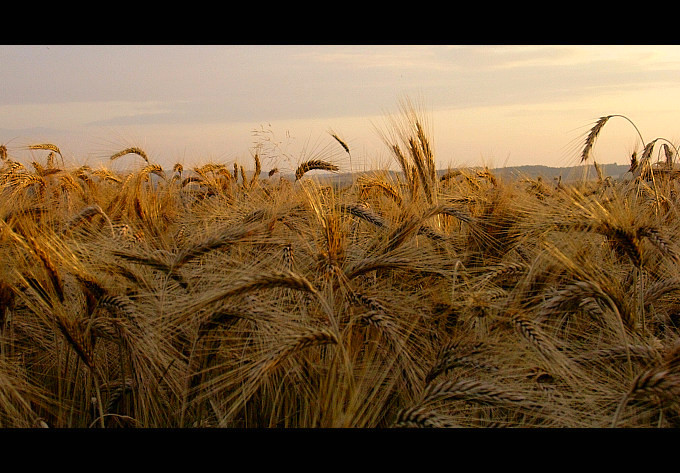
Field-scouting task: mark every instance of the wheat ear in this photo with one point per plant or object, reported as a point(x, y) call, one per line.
point(421, 417)
point(132, 150)
point(469, 390)
point(592, 136)
point(314, 164)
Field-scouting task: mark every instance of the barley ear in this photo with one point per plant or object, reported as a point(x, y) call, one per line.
point(592, 136)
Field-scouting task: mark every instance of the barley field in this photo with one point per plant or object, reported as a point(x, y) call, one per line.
point(217, 297)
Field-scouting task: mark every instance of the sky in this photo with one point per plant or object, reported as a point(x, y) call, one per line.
point(483, 105)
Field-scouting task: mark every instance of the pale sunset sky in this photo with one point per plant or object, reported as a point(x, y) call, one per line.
point(495, 105)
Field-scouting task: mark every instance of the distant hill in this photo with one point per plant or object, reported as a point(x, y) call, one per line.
point(568, 173)
point(547, 173)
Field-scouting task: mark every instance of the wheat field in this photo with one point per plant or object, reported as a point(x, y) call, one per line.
point(217, 297)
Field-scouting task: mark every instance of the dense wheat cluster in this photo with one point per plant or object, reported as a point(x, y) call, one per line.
point(218, 297)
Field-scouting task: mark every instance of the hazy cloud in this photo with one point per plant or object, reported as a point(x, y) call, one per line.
point(205, 86)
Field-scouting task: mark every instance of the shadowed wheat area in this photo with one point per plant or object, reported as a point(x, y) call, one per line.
point(222, 297)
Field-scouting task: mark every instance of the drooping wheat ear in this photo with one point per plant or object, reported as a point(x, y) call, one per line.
point(132, 150)
point(275, 279)
point(80, 341)
point(592, 136)
point(598, 169)
point(259, 370)
point(3, 152)
point(582, 291)
point(401, 160)
point(595, 131)
point(39, 169)
point(244, 178)
point(153, 261)
point(50, 267)
point(643, 353)
point(469, 390)
point(504, 269)
point(659, 385)
point(13, 166)
point(224, 316)
point(647, 152)
point(486, 174)
point(421, 166)
point(669, 153)
point(450, 174)
point(23, 180)
point(288, 257)
point(340, 141)
point(457, 354)
point(314, 164)
point(258, 167)
point(363, 213)
point(190, 179)
point(432, 234)
point(410, 225)
point(224, 172)
point(387, 189)
point(421, 417)
point(107, 175)
point(50, 159)
point(538, 340)
point(453, 212)
point(85, 214)
point(655, 382)
point(428, 154)
point(151, 169)
point(178, 168)
point(655, 291)
point(660, 242)
point(48, 146)
point(119, 304)
point(625, 241)
point(308, 338)
point(231, 235)
point(379, 317)
point(118, 389)
point(205, 169)
point(272, 172)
